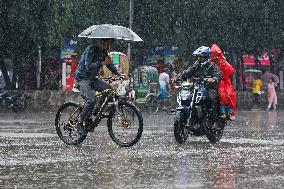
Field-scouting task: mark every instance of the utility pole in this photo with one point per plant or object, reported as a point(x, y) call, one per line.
point(5, 73)
point(38, 73)
point(131, 12)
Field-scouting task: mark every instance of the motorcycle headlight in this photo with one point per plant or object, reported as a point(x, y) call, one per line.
point(184, 94)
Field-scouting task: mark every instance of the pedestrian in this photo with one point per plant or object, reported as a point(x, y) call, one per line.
point(93, 58)
point(164, 81)
point(256, 90)
point(271, 94)
point(226, 91)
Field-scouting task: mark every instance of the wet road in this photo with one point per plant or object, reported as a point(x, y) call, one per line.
point(250, 155)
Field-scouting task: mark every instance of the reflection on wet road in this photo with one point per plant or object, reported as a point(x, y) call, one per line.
point(250, 155)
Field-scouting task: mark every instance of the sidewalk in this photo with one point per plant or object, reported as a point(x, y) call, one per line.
point(50, 100)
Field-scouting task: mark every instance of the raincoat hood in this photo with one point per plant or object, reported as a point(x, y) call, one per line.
point(216, 51)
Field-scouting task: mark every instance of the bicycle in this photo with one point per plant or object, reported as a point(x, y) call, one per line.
point(154, 103)
point(124, 120)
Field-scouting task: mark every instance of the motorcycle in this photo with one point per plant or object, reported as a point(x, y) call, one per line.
point(15, 102)
point(193, 116)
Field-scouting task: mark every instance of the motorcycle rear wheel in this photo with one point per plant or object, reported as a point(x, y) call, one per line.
point(215, 131)
point(180, 131)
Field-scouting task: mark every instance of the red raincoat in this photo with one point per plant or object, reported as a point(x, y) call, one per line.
point(227, 95)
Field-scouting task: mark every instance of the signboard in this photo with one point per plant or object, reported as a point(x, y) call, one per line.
point(154, 55)
point(161, 54)
point(264, 59)
point(248, 60)
point(68, 49)
point(170, 54)
point(68, 55)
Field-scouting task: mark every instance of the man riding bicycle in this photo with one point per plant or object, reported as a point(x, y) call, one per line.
point(93, 58)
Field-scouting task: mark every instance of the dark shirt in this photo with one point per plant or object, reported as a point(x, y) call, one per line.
point(208, 69)
point(91, 63)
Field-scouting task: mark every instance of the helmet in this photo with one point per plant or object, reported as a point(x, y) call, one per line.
point(202, 52)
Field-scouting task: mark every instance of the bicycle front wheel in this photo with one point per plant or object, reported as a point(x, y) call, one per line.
point(125, 125)
point(65, 121)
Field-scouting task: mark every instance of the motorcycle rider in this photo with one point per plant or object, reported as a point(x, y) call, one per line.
point(226, 91)
point(204, 68)
point(93, 58)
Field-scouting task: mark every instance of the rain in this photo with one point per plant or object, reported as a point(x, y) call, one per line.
point(41, 44)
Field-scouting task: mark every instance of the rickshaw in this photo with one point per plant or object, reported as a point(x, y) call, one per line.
point(121, 61)
point(145, 81)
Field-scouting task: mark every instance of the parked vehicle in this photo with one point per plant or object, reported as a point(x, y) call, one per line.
point(144, 79)
point(193, 117)
point(16, 102)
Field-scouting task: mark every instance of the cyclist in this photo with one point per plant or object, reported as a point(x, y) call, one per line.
point(93, 58)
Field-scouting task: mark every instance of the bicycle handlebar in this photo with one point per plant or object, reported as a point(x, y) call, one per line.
point(111, 78)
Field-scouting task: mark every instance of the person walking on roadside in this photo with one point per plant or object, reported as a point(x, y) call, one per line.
point(164, 82)
point(271, 94)
point(256, 90)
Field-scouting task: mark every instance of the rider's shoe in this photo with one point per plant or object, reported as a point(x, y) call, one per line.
point(89, 125)
point(81, 129)
point(223, 116)
point(231, 117)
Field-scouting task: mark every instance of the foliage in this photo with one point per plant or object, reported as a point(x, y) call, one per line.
point(233, 24)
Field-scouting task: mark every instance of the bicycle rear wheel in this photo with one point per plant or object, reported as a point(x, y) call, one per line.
point(125, 126)
point(65, 121)
point(152, 104)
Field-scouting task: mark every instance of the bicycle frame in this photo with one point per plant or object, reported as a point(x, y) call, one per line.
point(105, 97)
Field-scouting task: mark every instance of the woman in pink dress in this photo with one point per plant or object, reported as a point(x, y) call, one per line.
point(272, 97)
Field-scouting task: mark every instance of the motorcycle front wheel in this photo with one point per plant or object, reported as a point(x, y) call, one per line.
point(125, 125)
point(65, 121)
point(180, 130)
